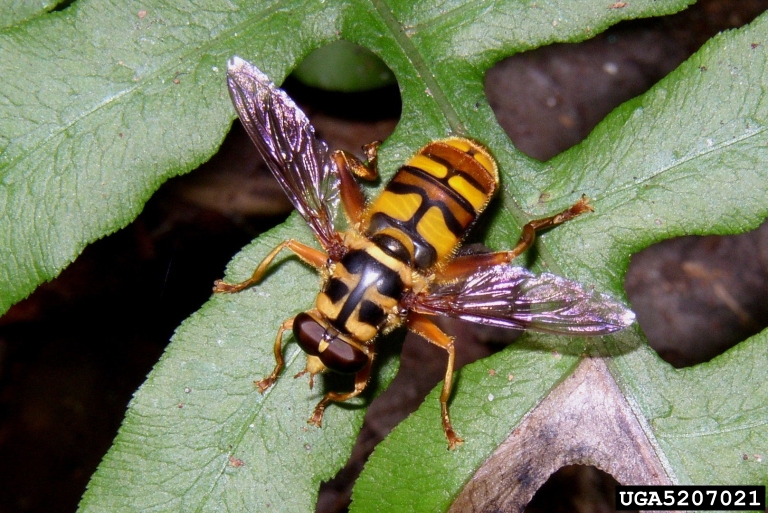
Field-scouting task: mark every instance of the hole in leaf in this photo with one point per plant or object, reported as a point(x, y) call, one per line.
point(348, 120)
point(60, 6)
point(695, 297)
point(550, 98)
point(575, 488)
point(346, 81)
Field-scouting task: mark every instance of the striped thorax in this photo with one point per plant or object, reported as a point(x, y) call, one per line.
point(361, 295)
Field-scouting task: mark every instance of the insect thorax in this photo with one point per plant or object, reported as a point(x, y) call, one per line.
point(361, 295)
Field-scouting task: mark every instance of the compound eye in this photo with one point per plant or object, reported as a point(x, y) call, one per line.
point(308, 333)
point(326, 343)
point(342, 357)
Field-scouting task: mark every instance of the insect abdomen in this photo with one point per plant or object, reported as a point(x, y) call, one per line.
point(433, 199)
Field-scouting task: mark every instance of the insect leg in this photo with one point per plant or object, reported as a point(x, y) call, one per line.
point(463, 265)
point(423, 326)
point(269, 380)
point(361, 381)
point(310, 255)
point(351, 196)
point(365, 170)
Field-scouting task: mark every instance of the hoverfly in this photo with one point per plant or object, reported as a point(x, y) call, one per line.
point(397, 264)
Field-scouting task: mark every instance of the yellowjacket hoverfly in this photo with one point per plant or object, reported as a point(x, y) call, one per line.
point(397, 264)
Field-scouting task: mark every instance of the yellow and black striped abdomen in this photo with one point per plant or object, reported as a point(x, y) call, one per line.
point(432, 200)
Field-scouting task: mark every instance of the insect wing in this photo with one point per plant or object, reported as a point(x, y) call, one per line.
point(286, 140)
point(513, 297)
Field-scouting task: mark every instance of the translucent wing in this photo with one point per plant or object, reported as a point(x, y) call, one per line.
point(286, 140)
point(513, 297)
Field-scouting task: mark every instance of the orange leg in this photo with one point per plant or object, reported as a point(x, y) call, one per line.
point(310, 255)
point(351, 196)
point(269, 380)
point(423, 326)
point(463, 265)
point(361, 381)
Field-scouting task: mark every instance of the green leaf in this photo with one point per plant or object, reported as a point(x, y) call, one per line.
point(100, 104)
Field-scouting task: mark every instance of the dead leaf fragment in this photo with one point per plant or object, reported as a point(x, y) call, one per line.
point(585, 420)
